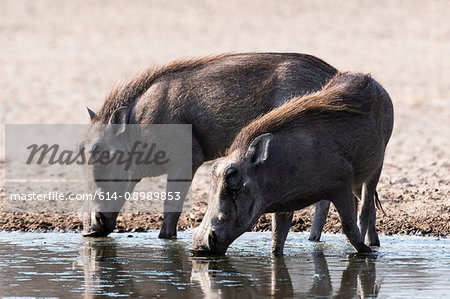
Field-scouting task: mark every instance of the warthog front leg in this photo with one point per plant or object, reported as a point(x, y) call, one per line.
point(345, 207)
point(169, 226)
point(320, 217)
point(173, 208)
point(281, 223)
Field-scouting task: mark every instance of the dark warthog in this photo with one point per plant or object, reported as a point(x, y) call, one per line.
point(175, 93)
point(328, 144)
point(217, 95)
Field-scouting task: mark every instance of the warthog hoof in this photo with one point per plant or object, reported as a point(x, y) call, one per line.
point(314, 238)
point(95, 234)
point(363, 248)
point(374, 243)
point(373, 240)
point(164, 234)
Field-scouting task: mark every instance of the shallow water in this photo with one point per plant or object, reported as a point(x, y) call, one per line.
point(140, 264)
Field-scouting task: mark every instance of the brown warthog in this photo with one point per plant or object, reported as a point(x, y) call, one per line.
point(328, 144)
point(217, 95)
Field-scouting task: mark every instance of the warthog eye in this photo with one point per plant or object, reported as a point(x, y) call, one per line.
point(233, 178)
point(95, 147)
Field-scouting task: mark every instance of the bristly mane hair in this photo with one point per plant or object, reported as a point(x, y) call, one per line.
point(345, 93)
point(126, 93)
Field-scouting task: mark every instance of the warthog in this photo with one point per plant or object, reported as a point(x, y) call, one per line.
point(328, 144)
point(217, 95)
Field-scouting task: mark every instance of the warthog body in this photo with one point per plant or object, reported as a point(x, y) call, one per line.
point(218, 96)
point(326, 145)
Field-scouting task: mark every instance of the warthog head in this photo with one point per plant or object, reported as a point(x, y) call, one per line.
point(235, 202)
point(108, 181)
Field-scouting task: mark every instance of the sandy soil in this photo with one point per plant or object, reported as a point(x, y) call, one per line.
point(58, 56)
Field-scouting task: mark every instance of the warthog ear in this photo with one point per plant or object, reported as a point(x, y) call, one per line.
point(91, 113)
point(119, 119)
point(258, 151)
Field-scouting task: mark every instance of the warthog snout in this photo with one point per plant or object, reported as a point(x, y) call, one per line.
point(98, 224)
point(212, 239)
point(207, 243)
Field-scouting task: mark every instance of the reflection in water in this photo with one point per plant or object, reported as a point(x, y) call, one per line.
point(218, 278)
point(321, 285)
point(281, 284)
point(66, 265)
point(359, 271)
point(176, 273)
point(101, 266)
point(108, 271)
point(358, 275)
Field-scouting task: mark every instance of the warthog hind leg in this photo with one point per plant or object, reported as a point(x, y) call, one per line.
point(345, 207)
point(367, 213)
